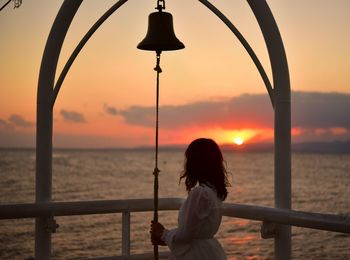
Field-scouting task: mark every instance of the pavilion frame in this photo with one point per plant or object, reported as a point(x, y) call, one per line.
point(280, 96)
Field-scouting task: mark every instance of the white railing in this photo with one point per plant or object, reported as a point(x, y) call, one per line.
point(269, 216)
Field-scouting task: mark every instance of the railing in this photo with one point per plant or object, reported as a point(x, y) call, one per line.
point(269, 216)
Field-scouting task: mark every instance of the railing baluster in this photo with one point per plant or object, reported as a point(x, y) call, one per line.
point(126, 233)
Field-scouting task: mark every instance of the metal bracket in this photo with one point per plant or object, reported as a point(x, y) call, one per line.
point(160, 5)
point(268, 230)
point(51, 224)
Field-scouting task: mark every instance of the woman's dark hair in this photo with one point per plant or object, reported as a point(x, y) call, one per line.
point(204, 164)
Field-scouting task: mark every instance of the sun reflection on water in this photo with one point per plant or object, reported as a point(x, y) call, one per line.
point(244, 239)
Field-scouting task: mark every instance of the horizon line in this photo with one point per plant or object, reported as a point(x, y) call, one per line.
point(306, 146)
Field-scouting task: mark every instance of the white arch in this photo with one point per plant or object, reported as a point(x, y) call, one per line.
point(280, 96)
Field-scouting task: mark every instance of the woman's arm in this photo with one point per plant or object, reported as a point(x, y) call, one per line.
point(195, 210)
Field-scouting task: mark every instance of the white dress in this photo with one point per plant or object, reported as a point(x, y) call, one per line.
point(199, 219)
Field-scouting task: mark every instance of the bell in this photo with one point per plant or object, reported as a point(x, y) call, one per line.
point(160, 34)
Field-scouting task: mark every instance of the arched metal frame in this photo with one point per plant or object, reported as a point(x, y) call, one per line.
point(279, 95)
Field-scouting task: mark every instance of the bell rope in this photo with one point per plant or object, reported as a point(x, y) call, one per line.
point(156, 170)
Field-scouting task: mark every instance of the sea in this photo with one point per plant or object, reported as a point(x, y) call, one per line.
point(320, 183)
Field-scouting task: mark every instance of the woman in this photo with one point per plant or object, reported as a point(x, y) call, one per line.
point(200, 215)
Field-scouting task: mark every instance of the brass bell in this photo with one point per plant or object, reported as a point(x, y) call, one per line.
point(160, 34)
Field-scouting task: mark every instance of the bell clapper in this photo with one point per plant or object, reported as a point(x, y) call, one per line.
point(157, 67)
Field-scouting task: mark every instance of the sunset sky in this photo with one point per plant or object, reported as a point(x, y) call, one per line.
point(209, 89)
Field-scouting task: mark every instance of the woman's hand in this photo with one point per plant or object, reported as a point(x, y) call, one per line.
point(156, 233)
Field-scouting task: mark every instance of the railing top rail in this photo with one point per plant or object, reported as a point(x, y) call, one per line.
point(330, 222)
point(322, 221)
point(31, 210)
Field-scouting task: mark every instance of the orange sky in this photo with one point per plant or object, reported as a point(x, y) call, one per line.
point(111, 73)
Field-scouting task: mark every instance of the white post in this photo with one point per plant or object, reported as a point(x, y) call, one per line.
point(43, 181)
point(283, 244)
point(126, 234)
point(280, 97)
point(45, 101)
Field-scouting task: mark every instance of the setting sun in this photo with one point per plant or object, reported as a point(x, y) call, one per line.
point(238, 140)
point(232, 136)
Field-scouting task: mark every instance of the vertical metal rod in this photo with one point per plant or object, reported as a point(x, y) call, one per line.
point(126, 234)
point(43, 179)
point(279, 65)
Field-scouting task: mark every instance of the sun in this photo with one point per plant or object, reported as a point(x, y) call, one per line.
point(238, 140)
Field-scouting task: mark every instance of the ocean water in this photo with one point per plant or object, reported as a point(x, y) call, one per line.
point(320, 184)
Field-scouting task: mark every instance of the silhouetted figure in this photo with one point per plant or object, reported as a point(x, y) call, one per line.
point(200, 215)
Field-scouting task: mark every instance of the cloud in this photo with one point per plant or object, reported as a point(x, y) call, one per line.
point(110, 110)
point(320, 134)
point(309, 110)
point(73, 116)
point(320, 110)
point(14, 121)
point(18, 120)
point(236, 113)
point(3, 123)
point(5, 126)
point(12, 133)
